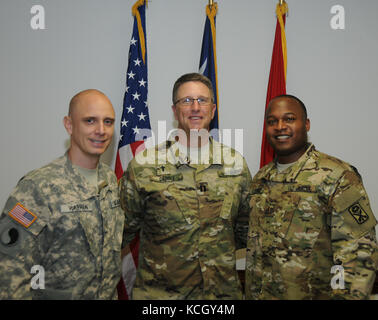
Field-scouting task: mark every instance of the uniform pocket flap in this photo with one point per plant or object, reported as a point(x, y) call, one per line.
point(348, 198)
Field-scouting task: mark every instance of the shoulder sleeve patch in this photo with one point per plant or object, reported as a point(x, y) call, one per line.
point(22, 215)
point(353, 209)
point(358, 213)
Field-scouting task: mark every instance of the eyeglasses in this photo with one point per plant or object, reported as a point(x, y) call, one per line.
point(189, 101)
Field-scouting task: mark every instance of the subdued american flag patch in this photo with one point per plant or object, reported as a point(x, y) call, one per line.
point(22, 215)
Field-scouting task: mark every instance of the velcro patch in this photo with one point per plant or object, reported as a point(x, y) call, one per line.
point(167, 177)
point(358, 213)
point(22, 215)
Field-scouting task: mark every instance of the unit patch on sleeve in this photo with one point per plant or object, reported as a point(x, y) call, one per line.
point(358, 213)
point(22, 215)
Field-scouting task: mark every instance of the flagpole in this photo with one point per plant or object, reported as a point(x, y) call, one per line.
point(211, 3)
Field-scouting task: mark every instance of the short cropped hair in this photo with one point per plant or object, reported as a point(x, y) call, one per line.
point(196, 77)
point(296, 99)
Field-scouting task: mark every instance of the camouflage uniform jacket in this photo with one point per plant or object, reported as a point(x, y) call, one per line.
point(191, 220)
point(76, 236)
point(305, 220)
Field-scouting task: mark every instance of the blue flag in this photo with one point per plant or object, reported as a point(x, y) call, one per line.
point(208, 61)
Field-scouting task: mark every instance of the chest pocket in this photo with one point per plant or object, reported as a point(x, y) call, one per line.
point(257, 202)
point(281, 209)
point(113, 225)
point(85, 215)
point(115, 220)
point(231, 182)
point(170, 204)
point(293, 217)
point(309, 218)
point(272, 214)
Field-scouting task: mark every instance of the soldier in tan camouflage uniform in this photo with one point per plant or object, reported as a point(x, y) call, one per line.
point(309, 213)
point(191, 212)
point(65, 217)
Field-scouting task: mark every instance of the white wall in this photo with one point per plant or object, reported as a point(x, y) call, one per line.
point(86, 42)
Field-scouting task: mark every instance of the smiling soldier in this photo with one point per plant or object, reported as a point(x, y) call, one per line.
point(65, 218)
point(309, 213)
point(189, 205)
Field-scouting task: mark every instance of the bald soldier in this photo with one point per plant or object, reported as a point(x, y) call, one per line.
point(61, 228)
point(311, 231)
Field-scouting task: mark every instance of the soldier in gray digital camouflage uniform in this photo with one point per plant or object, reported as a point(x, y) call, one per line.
point(61, 228)
point(188, 201)
point(311, 232)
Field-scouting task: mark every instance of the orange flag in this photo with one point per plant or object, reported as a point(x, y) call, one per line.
point(277, 76)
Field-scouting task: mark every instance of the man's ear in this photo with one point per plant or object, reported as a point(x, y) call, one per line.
point(213, 111)
point(307, 125)
point(174, 111)
point(67, 122)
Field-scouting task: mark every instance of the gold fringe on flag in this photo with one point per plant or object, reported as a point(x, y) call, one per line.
point(211, 12)
point(135, 13)
point(281, 10)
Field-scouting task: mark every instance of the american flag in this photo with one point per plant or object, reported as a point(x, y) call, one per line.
point(135, 126)
point(22, 215)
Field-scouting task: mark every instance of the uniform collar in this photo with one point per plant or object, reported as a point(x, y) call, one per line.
point(178, 158)
point(291, 173)
point(80, 181)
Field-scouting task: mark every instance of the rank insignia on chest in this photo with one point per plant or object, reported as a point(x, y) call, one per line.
point(160, 170)
point(203, 186)
point(358, 213)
